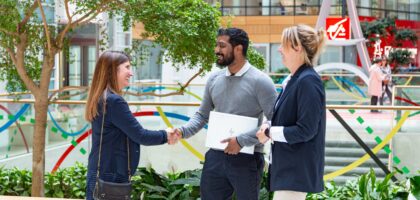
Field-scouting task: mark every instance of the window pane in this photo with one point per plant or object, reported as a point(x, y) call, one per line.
point(234, 7)
point(147, 66)
point(91, 62)
point(275, 58)
point(277, 7)
point(74, 66)
point(391, 4)
point(331, 54)
point(254, 7)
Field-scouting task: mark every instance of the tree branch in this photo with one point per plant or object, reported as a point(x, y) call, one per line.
point(192, 78)
point(27, 16)
point(66, 6)
point(180, 92)
point(78, 22)
point(20, 64)
point(154, 94)
point(8, 32)
point(47, 32)
point(67, 88)
point(10, 51)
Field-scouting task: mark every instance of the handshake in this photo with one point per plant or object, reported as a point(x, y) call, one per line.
point(174, 134)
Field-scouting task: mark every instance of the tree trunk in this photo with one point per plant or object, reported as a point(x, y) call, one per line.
point(41, 109)
point(38, 156)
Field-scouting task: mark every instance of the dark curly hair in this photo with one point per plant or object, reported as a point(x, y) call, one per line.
point(237, 36)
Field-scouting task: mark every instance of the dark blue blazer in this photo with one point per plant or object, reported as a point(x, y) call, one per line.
point(119, 124)
point(298, 165)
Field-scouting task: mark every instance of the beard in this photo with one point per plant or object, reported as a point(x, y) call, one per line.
point(226, 59)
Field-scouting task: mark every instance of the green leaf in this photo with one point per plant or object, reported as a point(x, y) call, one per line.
point(187, 181)
point(175, 194)
point(415, 186)
point(155, 188)
point(156, 196)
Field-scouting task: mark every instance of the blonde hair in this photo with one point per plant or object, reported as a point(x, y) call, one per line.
point(304, 36)
point(104, 77)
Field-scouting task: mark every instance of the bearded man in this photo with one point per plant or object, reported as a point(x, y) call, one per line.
point(240, 89)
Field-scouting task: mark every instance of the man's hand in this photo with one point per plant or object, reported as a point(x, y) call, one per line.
point(173, 136)
point(233, 147)
point(261, 134)
point(178, 132)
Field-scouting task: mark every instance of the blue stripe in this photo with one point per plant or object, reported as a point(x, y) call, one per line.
point(18, 114)
point(65, 132)
point(351, 84)
point(149, 89)
point(176, 116)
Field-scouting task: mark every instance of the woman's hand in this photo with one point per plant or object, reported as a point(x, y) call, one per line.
point(261, 134)
point(173, 135)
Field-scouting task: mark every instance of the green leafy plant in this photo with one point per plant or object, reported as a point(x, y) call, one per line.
point(415, 186)
point(67, 183)
point(376, 29)
point(150, 185)
point(405, 34)
point(147, 184)
point(366, 187)
point(400, 57)
point(15, 182)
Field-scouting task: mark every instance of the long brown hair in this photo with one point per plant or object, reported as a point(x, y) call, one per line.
point(105, 77)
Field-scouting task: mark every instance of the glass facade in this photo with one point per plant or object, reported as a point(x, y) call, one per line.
point(148, 65)
point(403, 9)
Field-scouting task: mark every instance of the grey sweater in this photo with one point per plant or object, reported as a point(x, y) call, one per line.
point(251, 94)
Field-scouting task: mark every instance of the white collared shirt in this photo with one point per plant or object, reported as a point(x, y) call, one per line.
point(241, 72)
point(276, 132)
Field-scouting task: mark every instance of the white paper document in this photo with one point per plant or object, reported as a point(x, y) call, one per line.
point(223, 126)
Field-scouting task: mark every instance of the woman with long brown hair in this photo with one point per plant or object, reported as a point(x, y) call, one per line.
point(116, 134)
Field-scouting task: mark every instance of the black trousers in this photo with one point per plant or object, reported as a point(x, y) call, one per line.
point(387, 91)
point(225, 174)
point(374, 102)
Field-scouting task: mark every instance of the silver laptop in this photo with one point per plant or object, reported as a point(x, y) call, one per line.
point(223, 126)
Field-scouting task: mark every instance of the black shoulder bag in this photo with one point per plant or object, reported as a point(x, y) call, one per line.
point(105, 190)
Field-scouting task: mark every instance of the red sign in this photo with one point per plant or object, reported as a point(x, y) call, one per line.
point(338, 28)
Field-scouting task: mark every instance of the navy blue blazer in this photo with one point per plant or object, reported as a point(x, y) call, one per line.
point(298, 165)
point(119, 123)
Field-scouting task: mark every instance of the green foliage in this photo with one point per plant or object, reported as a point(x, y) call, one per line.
point(405, 34)
point(150, 185)
point(147, 184)
point(67, 183)
point(366, 187)
point(371, 29)
point(381, 27)
point(399, 57)
point(15, 182)
point(185, 28)
point(415, 186)
point(255, 58)
point(10, 16)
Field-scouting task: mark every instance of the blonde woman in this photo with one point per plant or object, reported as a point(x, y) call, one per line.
point(122, 134)
point(297, 127)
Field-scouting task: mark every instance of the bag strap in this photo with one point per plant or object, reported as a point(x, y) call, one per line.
point(100, 144)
